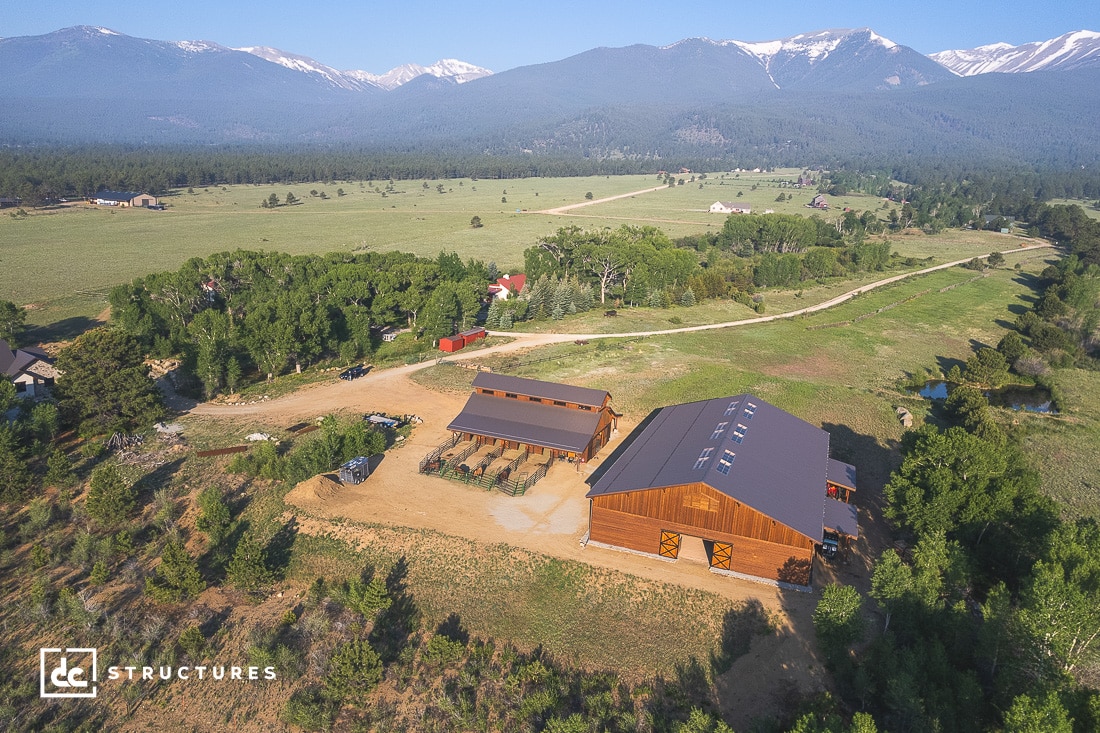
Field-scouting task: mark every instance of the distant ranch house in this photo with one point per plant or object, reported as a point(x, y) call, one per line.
point(30, 369)
point(729, 207)
point(507, 286)
point(733, 482)
point(124, 199)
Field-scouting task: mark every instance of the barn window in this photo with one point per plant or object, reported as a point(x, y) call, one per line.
point(738, 433)
point(511, 396)
point(585, 407)
point(703, 457)
point(535, 399)
point(718, 430)
point(726, 462)
point(488, 391)
point(559, 403)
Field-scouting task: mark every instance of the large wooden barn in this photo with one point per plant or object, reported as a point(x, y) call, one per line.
point(538, 417)
point(735, 482)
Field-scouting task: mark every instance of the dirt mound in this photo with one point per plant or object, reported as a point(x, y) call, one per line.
point(320, 488)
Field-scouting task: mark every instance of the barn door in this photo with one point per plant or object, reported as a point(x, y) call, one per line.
point(670, 544)
point(722, 556)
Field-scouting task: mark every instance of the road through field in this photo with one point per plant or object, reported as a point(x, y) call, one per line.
point(315, 400)
point(571, 207)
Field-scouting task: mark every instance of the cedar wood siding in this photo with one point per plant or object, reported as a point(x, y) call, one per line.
point(604, 427)
point(762, 547)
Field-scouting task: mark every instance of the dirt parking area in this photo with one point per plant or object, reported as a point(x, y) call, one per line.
point(551, 518)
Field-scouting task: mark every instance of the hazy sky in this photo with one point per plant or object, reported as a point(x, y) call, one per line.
point(377, 36)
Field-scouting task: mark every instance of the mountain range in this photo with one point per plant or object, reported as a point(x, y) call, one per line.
point(826, 93)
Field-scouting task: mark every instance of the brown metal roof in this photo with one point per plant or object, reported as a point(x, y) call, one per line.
point(545, 390)
point(741, 446)
point(527, 422)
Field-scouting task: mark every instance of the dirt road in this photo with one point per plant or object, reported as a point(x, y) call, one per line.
point(571, 207)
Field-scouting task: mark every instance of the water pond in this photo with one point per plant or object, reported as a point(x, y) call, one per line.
point(1016, 397)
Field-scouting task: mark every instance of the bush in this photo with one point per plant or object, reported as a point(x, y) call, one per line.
point(310, 710)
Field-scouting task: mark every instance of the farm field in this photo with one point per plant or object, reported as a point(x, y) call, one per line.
point(104, 247)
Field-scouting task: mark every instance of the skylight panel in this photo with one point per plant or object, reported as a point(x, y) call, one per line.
point(732, 408)
point(750, 410)
point(703, 457)
point(718, 430)
point(725, 463)
point(738, 433)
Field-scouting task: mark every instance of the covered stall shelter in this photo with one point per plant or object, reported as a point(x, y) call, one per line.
point(537, 417)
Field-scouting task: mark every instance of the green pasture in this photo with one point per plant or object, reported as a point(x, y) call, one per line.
point(61, 261)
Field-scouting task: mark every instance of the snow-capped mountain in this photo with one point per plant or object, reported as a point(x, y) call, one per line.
point(341, 79)
point(355, 80)
point(457, 71)
point(1076, 50)
point(838, 58)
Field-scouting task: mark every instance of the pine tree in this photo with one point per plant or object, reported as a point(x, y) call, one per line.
point(492, 318)
point(110, 499)
point(177, 577)
point(232, 374)
point(248, 568)
point(506, 320)
point(214, 517)
point(563, 300)
point(688, 298)
point(59, 470)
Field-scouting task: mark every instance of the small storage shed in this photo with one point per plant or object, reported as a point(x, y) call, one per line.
point(474, 334)
point(355, 471)
point(451, 344)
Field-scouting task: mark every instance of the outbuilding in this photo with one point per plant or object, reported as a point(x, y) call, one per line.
point(355, 471)
point(734, 482)
point(450, 344)
point(124, 199)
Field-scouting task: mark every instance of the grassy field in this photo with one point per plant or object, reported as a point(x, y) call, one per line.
point(844, 377)
point(102, 247)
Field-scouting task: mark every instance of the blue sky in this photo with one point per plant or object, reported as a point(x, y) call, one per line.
point(377, 36)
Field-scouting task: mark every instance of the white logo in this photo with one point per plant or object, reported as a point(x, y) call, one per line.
point(69, 672)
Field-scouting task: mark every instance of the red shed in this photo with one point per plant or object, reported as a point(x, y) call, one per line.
point(451, 343)
point(474, 334)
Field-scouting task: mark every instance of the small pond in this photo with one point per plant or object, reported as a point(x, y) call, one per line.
point(1029, 399)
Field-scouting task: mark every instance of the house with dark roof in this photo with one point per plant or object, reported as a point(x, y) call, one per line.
point(30, 369)
point(124, 199)
point(542, 418)
point(735, 482)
